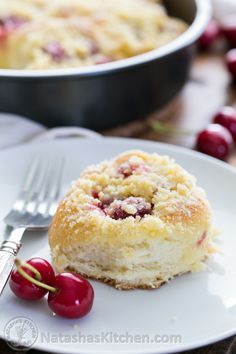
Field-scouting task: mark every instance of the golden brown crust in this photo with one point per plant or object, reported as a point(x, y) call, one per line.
point(120, 285)
point(198, 211)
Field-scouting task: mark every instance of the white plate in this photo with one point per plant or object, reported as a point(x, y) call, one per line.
point(200, 307)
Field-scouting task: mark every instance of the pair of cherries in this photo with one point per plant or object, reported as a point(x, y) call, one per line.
point(218, 138)
point(69, 294)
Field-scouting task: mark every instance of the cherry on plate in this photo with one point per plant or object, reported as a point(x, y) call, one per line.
point(210, 35)
point(227, 118)
point(228, 28)
point(25, 289)
point(73, 296)
point(231, 62)
point(215, 141)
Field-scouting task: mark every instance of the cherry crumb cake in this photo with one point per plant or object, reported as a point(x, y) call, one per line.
point(133, 222)
point(44, 34)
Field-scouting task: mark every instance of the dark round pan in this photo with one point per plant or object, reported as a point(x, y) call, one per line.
point(109, 94)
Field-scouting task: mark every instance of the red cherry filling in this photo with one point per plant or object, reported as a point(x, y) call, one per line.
point(127, 169)
point(98, 208)
point(93, 48)
point(102, 201)
point(132, 206)
point(2, 34)
point(95, 195)
point(202, 238)
point(117, 212)
point(103, 60)
point(10, 23)
point(56, 51)
point(120, 209)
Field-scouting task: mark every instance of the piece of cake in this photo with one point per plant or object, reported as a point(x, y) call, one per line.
point(42, 34)
point(133, 222)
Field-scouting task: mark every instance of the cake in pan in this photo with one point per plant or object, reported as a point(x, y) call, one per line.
point(42, 34)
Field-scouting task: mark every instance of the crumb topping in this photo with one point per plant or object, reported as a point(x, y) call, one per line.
point(136, 185)
point(135, 207)
point(132, 166)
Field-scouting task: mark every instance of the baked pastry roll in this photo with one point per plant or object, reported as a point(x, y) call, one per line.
point(136, 221)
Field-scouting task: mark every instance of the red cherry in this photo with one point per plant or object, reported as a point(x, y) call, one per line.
point(56, 51)
point(227, 118)
point(127, 169)
point(231, 62)
point(26, 290)
point(117, 210)
point(229, 29)
point(210, 35)
point(215, 141)
point(2, 35)
point(10, 23)
point(74, 297)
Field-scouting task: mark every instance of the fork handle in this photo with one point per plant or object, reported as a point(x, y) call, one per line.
point(8, 252)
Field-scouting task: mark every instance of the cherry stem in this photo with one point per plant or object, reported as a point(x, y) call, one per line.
point(168, 130)
point(21, 271)
point(32, 269)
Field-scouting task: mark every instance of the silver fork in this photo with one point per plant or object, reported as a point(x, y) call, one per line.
point(32, 210)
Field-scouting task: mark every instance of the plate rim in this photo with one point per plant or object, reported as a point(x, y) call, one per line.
point(172, 147)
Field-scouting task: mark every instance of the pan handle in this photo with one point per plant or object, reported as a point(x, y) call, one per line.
point(67, 132)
